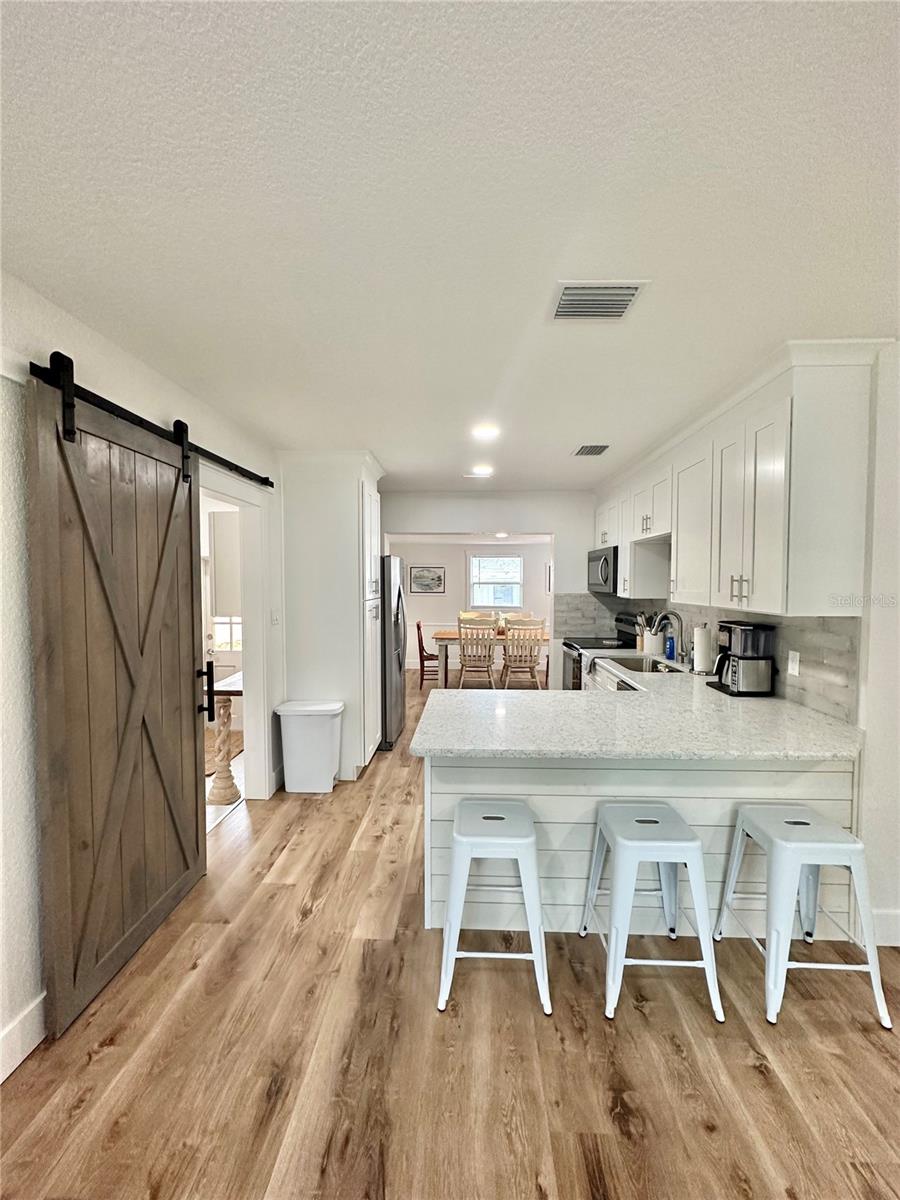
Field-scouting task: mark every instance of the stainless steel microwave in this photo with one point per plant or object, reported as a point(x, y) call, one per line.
point(602, 565)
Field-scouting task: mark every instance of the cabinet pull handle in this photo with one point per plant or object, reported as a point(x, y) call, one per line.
point(734, 584)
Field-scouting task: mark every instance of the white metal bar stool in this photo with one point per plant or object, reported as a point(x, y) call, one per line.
point(797, 842)
point(648, 831)
point(493, 829)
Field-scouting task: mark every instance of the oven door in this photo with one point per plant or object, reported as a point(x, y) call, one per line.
point(602, 571)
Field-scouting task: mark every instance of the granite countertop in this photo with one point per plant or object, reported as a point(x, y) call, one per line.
point(671, 716)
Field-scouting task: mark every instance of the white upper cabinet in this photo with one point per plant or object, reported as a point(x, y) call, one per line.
point(766, 504)
point(692, 521)
point(750, 502)
point(651, 502)
point(606, 530)
point(728, 448)
point(766, 498)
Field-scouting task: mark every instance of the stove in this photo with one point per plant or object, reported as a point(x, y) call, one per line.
point(594, 643)
point(577, 650)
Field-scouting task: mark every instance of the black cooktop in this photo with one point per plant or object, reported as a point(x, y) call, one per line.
point(594, 643)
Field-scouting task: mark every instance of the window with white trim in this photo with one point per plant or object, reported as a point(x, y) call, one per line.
point(227, 633)
point(495, 581)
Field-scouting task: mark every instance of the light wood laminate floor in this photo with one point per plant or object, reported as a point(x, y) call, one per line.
point(277, 1038)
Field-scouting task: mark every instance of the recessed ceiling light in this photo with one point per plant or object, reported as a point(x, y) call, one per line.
point(480, 471)
point(501, 535)
point(485, 433)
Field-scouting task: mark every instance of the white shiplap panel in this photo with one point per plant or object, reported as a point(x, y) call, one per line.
point(736, 783)
point(717, 809)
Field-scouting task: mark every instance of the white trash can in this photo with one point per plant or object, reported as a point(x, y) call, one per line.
point(311, 741)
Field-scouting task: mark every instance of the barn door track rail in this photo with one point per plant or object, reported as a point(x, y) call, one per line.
point(61, 374)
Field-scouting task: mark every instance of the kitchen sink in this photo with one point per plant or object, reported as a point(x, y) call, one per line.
point(646, 665)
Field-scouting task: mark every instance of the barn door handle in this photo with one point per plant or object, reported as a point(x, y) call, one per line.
point(209, 706)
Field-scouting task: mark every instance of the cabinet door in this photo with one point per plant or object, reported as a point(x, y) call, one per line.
point(764, 583)
point(624, 555)
point(623, 569)
point(692, 522)
point(611, 523)
point(661, 501)
point(728, 466)
point(640, 511)
point(599, 527)
point(371, 677)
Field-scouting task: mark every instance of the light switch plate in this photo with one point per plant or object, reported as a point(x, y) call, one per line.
point(793, 662)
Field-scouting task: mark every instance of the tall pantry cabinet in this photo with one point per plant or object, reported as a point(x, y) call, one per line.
point(332, 571)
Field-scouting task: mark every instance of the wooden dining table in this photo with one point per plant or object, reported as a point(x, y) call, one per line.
point(450, 637)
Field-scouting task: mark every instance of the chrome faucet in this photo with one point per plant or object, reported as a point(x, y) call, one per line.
point(674, 619)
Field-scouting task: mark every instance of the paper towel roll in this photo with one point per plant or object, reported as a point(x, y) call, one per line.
point(703, 655)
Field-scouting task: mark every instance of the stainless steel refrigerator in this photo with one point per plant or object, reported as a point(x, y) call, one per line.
point(393, 650)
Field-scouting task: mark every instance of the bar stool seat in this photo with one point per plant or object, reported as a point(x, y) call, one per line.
point(485, 828)
point(798, 842)
point(648, 831)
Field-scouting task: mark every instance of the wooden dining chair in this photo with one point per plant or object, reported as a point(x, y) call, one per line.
point(522, 648)
point(428, 662)
point(477, 641)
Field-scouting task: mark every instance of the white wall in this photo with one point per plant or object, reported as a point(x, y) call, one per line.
point(880, 683)
point(441, 611)
point(32, 328)
point(569, 516)
point(323, 607)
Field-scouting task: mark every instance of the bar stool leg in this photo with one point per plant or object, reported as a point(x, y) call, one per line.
point(697, 876)
point(597, 860)
point(809, 899)
point(738, 844)
point(456, 898)
point(528, 872)
point(621, 900)
point(668, 885)
point(782, 883)
point(864, 911)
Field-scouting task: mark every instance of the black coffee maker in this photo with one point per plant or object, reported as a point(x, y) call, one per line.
point(745, 665)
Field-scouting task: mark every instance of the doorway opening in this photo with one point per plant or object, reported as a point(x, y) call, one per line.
point(223, 640)
point(233, 552)
point(504, 574)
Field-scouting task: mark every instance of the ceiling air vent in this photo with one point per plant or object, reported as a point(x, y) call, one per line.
point(589, 451)
point(595, 301)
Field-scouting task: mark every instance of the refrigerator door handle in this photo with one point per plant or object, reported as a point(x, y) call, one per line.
point(401, 608)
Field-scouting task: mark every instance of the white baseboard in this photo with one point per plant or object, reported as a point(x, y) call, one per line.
point(21, 1036)
point(887, 926)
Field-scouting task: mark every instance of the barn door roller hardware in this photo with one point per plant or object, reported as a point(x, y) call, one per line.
point(61, 374)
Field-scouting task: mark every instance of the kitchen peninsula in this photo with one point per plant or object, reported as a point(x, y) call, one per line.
point(670, 738)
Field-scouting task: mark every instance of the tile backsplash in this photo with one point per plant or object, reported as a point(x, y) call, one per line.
point(581, 613)
point(828, 646)
point(828, 649)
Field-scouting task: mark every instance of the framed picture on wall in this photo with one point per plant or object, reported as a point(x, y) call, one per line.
point(427, 580)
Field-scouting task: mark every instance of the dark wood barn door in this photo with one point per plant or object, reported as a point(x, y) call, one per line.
point(117, 640)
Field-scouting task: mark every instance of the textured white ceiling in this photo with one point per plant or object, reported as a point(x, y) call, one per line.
point(344, 223)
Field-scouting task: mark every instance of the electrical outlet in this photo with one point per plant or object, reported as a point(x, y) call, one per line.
point(793, 662)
